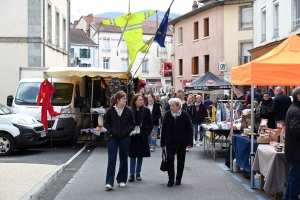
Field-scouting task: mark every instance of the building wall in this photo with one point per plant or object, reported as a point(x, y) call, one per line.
point(93, 52)
point(212, 45)
point(233, 37)
point(285, 21)
point(21, 41)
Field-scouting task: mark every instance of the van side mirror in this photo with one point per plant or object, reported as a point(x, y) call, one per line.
point(79, 102)
point(9, 100)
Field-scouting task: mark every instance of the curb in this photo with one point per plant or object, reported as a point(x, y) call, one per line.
point(34, 192)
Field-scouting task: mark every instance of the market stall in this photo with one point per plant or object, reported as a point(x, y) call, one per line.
point(280, 66)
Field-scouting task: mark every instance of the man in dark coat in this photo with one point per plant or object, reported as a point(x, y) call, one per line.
point(265, 110)
point(292, 147)
point(171, 94)
point(281, 104)
point(180, 95)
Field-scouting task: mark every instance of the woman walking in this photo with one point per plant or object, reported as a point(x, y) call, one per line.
point(139, 146)
point(156, 114)
point(176, 135)
point(119, 122)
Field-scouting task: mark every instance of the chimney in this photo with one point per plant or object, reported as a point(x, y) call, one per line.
point(75, 23)
point(90, 19)
point(195, 6)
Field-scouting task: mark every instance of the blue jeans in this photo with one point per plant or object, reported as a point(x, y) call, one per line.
point(136, 165)
point(198, 129)
point(113, 145)
point(151, 139)
point(293, 183)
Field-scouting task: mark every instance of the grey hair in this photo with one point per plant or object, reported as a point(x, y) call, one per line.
point(279, 89)
point(295, 92)
point(176, 101)
point(198, 96)
point(180, 91)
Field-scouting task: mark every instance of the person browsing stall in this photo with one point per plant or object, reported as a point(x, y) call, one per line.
point(119, 122)
point(139, 146)
point(280, 106)
point(176, 135)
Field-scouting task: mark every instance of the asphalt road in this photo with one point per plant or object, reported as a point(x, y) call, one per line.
point(57, 154)
point(203, 178)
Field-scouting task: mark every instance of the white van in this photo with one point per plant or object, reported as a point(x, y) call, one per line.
point(19, 131)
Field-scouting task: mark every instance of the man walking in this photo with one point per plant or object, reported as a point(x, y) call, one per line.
point(281, 104)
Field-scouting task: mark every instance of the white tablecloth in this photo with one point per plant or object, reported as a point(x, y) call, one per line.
point(273, 166)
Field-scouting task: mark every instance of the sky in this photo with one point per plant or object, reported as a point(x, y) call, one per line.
point(85, 7)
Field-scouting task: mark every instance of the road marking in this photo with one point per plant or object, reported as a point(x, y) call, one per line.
point(260, 197)
point(247, 187)
point(224, 168)
point(237, 178)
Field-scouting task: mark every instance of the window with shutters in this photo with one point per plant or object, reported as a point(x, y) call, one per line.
point(85, 65)
point(106, 63)
point(84, 53)
point(263, 25)
point(64, 36)
point(124, 65)
point(145, 67)
point(295, 15)
point(276, 20)
point(195, 65)
point(180, 67)
point(180, 35)
point(49, 24)
point(57, 29)
point(106, 45)
point(246, 18)
point(206, 27)
point(206, 63)
point(196, 31)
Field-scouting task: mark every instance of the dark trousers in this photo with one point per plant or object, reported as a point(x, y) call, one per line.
point(293, 184)
point(180, 162)
point(113, 145)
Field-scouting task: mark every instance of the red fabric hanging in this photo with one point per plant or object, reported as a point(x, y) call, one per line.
point(46, 89)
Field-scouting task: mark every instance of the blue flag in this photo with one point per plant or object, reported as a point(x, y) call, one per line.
point(161, 32)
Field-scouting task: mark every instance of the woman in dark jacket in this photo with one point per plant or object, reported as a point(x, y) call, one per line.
point(119, 122)
point(156, 115)
point(201, 113)
point(265, 110)
point(292, 147)
point(139, 146)
point(176, 135)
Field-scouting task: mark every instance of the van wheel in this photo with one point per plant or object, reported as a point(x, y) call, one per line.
point(75, 135)
point(7, 144)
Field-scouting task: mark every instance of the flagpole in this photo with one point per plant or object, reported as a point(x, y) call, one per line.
point(140, 63)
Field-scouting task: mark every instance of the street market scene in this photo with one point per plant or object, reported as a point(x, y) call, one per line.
point(193, 99)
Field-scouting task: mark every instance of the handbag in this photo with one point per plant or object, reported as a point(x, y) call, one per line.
point(164, 164)
point(137, 129)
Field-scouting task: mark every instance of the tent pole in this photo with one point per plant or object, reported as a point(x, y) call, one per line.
point(231, 127)
point(92, 97)
point(252, 136)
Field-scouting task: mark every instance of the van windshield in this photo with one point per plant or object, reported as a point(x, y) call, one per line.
point(27, 94)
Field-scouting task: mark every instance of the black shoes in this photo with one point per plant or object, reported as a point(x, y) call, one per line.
point(170, 183)
point(131, 178)
point(138, 177)
point(178, 182)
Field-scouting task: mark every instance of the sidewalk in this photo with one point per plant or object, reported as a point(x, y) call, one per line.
point(25, 181)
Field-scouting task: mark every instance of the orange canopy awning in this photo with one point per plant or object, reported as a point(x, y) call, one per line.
point(280, 66)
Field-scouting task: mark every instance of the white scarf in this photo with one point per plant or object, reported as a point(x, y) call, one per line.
point(175, 115)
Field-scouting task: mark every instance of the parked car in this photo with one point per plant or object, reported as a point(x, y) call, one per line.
point(19, 131)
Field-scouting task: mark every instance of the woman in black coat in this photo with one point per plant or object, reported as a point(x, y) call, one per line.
point(176, 135)
point(265, 110)
point(119, 122)
point(139, 146)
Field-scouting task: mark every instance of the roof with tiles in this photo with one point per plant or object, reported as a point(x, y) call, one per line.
point(149, 27)
point(79, 37)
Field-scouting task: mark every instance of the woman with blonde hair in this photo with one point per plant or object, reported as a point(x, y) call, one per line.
point(119, 122)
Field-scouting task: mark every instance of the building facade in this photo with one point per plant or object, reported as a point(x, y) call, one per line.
point(33, 34)
point(214, 37)
point(148, 65)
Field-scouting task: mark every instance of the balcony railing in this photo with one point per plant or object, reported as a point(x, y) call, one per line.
point(296, 24)
point(145, 71)
point(247, 24)
point(244, 59)
point(276, 32)
point(263, 37)
point(105, 50)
